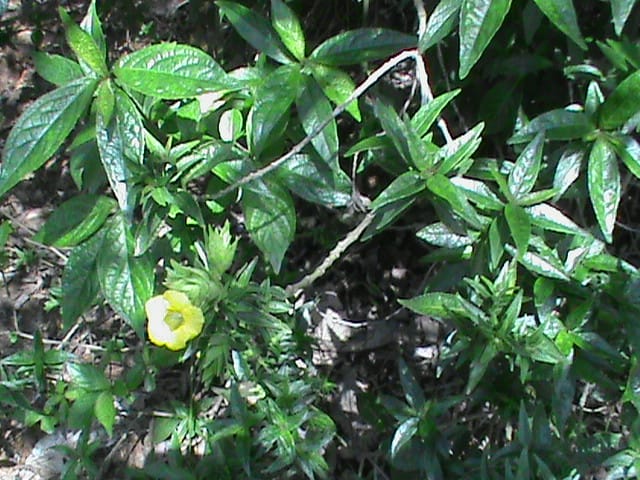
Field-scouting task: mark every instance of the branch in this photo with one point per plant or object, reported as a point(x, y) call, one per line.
point(333, 256)
point(361, 89)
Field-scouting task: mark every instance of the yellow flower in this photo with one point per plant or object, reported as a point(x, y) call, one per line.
point(173, 320)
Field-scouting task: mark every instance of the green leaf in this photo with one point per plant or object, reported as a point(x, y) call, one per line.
point(125, 281)
point(499, 105)
point(628, 149)
point(568, 169)
point(549, 217)
point(271, 106)
point(255, 29)
point(386, 215)
point(409, 184)
point(313, 180)
point(80, 286)
point(56, 69)
point(105, 411)
point(452, 155)
point(88, 377)
point(120, 140)
point(14, 398)
point(81, 413)
point(441, 235)
point(524, 428)
point(620, 10)
point(426, 116)
point(594, 99)
point(564, 389)
point(75, 220)
point(444, 188)
point(496, 244)
point(337, 86)
point(519, 225)
point(563, 16)
point(6, 229)
point(288, 27)
point(270, 218)
point(41, 129)
point(524, 174)
point(395, 129)
point(111, 146)
point(478, 192)
point(479, 366)
point(105, 102)
point(84, 46)
point(92, 25)
point(412, 390)
point(201, 160)
point(314, 109)
point(622, 104)
point(440, 24)
point(442, 305)
point(603, 178)
point(172, 71)
point(130, 128)
point(361, 45)
point(621, 54)
point(479, 22)
point(561, 124)
point(539, 263)
point(403, 434)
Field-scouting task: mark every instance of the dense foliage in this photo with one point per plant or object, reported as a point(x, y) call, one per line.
point(516, 169)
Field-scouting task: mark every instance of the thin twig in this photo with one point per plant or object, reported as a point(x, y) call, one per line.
point(57, 343)
point(108, 460)
point(422, 17)
point(427, 94)
point(333, 256)
point(447, 83)
point(357, 93)
point(17, 222)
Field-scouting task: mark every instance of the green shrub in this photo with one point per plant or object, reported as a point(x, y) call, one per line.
point(541, 310)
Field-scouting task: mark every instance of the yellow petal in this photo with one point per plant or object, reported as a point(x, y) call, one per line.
point(176, 305)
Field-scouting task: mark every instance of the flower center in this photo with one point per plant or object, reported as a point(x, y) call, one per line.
point(173, 319)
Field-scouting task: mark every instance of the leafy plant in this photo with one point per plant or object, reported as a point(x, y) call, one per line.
point(529, 285)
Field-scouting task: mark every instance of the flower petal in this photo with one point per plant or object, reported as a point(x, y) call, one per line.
point(161, 332)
